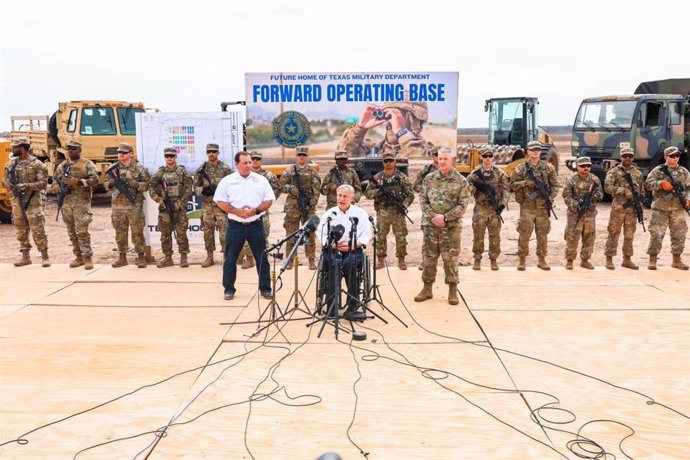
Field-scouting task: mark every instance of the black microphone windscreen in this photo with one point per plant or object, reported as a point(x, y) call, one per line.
point(312, 223)
point(336, 232)
point(354, 220)
point(371, 219)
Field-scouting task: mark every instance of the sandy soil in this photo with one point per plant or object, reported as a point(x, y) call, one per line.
point(103, 235)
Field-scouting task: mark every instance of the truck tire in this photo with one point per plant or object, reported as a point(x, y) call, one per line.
point(53, 130)
point(550, 155)
point(5, 212)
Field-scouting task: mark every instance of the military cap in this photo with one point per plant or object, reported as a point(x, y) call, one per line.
point(74, 145)
point(533, 145)
point(170, 150)
point(255, 154)
point(670, 151)
point(17, 141)
point(124, 148)
point(627, 151)
point(584, 161)
point(341, 155)
point(302, 150)
point(212, 147)
point(387, 156)
point(434, 150)
point(487, 150)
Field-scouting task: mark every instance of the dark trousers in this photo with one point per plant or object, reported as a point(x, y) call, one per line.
point(235, 236)
point(350, 265)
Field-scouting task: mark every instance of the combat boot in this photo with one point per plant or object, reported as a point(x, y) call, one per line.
point(425, 294)
point(677, 263)
point(183, 261)
point(453, 294)
point(477, 264)
point(494, 264)
point(542, 264)
point(521, 264)
point(141, 260)
point(652, 262)
point(312, 264)
point(627, 263)
point(121, 262)
point(248, 261)
point(45, 260)
point(585, 263)
point(609, 263)
point(166, 262)
point(208, 261)
point(380, 262)
point(25, 260)
point(569, 264)
point(401, 263)
point(88, 263)
point(78, 260)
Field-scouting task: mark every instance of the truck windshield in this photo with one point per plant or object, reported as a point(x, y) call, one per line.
point(125, 116)
point(97, 121)
point(506, 125)
point(605, 115)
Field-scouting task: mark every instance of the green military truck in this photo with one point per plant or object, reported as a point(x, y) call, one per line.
point(657, 116)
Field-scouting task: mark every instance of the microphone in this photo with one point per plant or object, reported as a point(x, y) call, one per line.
point(337, 232)
point(354, 220)
point(310, 226)
point(331, 216)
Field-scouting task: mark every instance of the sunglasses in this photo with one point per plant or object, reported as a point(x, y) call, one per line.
point(535, 149)
point(674, 155)
point(388, 160)
point(208, 152)
point(256, 159)
point(302, 155)
point(585, 166)
point(490, 155)
point(169, 155)
point(626, 155)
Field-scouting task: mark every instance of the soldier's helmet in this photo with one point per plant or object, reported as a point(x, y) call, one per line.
point(388, 155)
point(169, 150)
point(212, 147)
point(627, 151)
point(18, 141)
point(341, 155)
point(124, 148)
point(302, 150)
point(670, 151)
point(254, 154)
point(533, 145)
point(434, 151)
point(587, 161)
point(74, 145)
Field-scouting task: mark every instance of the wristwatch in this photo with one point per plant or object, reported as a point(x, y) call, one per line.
point(402, 132)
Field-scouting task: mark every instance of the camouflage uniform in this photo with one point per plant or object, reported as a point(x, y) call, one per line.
point(667, 211)
point(76, 208)
point(484, 216)
point(125, 215)
point(311, 186)
point(447, 195)
point(387, 214)
point(574, 189)
point(179, 189)
point(32, 177)
point(417, 187)
point(621, 216)
point(212, 215)
point(534, 214)
point(331, 183)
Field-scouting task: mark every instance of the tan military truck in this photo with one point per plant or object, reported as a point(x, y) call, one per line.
point(99, 125)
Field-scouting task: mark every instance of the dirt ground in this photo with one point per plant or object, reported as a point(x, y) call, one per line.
point(103, 235)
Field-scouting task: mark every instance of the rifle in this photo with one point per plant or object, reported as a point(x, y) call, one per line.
point(541, 190)
point(678, 190)
point(169, 207)
point(338, 175)
point(302, 199)
point(14, 182)
point(635, 201)
point(490, 193)
point(120, 183)
point(209, 190)
point(391, 198)
point(64, 189)
point(585, 202)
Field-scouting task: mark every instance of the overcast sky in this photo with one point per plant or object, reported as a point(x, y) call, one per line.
point(184, 56)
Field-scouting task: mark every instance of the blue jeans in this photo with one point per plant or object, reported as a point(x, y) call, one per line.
point(350, 266)
point(235, 236)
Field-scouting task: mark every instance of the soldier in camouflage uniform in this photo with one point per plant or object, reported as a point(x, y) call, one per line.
point(128, 215)
point(404, 122)
point(667, 210)
point(172, 181)
point(27, 177)
point(388, 215)
point(578, 188)
point(426, 170)
point(246, 253)
point(310, 184)
point(338, 175)
point(206, 179)
point(483, 181)
point(534, 213)
point(623, 214)
point(444, 200)
point(78, 176)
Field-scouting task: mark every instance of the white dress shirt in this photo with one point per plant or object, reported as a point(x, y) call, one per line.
point(242, 192)
point(343, 218)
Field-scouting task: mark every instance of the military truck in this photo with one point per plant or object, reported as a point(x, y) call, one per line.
point(99, 125)
point(657, 116)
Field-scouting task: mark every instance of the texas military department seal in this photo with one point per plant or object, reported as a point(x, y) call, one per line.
point(291, 129)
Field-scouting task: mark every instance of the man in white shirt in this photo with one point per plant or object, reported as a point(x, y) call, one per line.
point(245, 196)
point(350, 247)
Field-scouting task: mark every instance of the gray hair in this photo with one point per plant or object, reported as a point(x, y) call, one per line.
point(346, 187)
point(444, 150)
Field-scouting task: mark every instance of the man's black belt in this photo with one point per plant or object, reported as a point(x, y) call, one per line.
point(245, 223)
